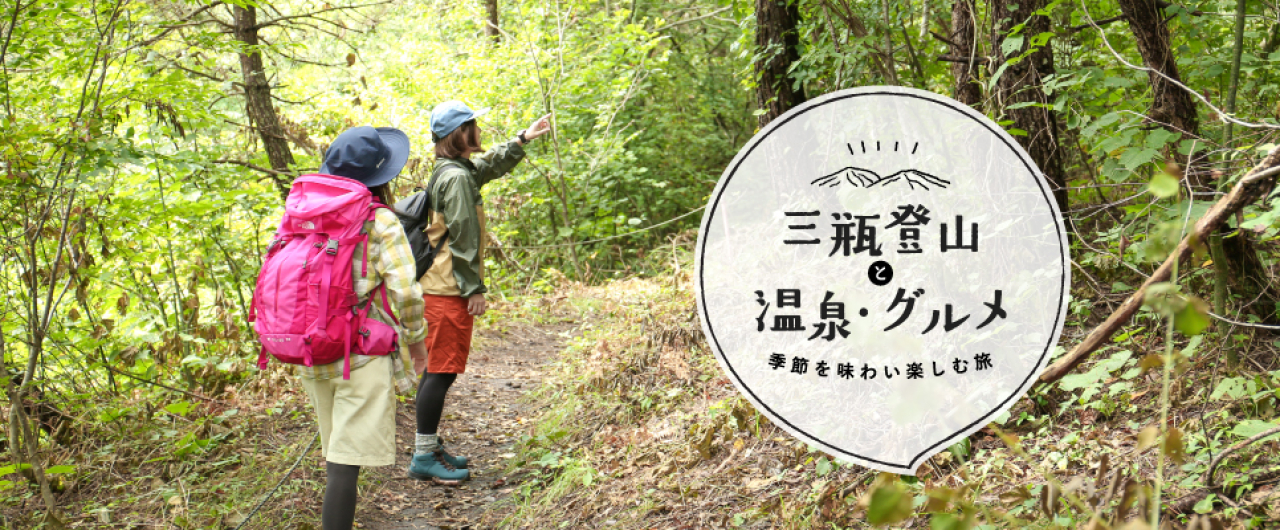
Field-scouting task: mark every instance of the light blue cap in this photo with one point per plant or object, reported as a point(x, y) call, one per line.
point(450, 115)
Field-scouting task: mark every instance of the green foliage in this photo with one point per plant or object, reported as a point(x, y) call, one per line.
point(890, 503)
point(132, 215)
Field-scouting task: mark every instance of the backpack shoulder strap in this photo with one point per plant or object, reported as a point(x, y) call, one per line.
point(373, 215)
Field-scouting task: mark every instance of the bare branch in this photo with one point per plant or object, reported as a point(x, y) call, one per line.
point(990, 61)
point(184, 22)
point(1095, 24)
point(272, 172)
point(945, 40)
point(326, 31)
point(277, 21)
point(173, 63)
point(295, 58)
point(167, 387)
point(693, 19)
point(1213, 466)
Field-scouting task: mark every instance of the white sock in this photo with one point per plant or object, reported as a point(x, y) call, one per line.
point(425, 444)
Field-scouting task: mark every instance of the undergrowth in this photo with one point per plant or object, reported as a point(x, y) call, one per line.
point(141, 453)
point(641, 429)
point(159, 456)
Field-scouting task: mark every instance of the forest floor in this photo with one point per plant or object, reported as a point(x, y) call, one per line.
point(484, 418)
point(603, 407)
point(191, 461)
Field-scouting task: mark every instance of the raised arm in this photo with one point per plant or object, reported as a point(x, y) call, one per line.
point(497, 161)
point(501, 159)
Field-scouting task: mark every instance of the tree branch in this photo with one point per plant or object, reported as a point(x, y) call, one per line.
point(1213, 466)
point(183, 22)
point(315, 27)
point(1103, 22)
point(277, 21)
point(279, 51)
point(949, 42)
point(166, 387)
point(693, 19)
point(990, 61)
point(174, 64)
point(269, 171)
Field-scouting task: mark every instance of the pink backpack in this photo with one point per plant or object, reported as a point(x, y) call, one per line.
point(304, 306)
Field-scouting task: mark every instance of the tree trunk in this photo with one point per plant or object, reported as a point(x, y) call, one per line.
point(491, 28)
point(1023, 82)
point(1171, 106)
point(257, 95)
point(967, 90)
point(776, 38)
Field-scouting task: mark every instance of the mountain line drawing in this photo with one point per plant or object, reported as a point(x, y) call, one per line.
point(865, 178)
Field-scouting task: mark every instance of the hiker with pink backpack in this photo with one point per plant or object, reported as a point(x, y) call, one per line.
point(337, 295)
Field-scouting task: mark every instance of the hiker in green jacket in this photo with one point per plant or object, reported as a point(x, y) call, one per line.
point(453, 288)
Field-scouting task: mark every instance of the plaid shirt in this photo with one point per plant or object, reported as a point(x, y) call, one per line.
point(390, 261)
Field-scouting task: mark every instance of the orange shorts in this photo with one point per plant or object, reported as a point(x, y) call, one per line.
point(448, 334)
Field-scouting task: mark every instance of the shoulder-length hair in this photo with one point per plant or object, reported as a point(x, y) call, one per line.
point(466, 138)
point(383, 194)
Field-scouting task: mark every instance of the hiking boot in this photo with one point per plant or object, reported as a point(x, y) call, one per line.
point(459, 462)
point(432, 466)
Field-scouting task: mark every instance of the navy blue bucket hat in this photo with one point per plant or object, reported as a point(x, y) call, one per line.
point(450, 115)
point(373, 156)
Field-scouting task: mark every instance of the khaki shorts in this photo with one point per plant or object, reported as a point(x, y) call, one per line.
point(357, 416)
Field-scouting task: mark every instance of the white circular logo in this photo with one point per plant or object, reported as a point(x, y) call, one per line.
point(882, 271)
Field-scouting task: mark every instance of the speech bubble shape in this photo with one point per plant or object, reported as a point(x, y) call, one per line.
point(882, 271)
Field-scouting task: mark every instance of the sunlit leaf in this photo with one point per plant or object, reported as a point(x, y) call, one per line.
point(1162, 185)
point(180, 408)
point(1206, 504)
point(1193, 318)
point(60, 470)
point(1251, 428)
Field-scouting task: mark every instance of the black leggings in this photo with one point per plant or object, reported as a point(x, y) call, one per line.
point(430, 402)
point(339, 511)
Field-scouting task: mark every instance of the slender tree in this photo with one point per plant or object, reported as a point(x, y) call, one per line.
point(961, 45)
point(779, 47)
point(491, 19)
point(1171, 105)
point(1022, 81)
point(257, 93)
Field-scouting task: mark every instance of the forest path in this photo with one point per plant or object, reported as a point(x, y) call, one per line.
point(483, 419)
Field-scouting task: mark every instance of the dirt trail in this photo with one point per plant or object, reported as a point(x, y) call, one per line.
point(482, 421)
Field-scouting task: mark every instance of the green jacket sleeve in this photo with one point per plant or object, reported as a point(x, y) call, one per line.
point(457, 204)
point(497, 161)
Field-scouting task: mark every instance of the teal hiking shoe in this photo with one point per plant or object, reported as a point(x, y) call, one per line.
point(459, 462)
point(433, 466)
